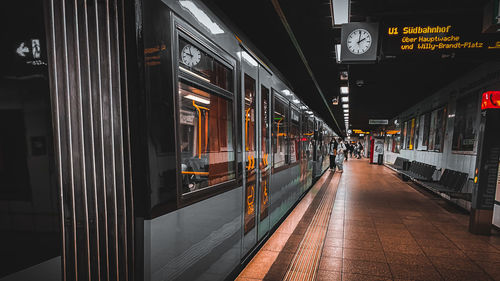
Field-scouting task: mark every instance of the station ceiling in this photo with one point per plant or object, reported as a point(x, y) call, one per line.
point(377, 91)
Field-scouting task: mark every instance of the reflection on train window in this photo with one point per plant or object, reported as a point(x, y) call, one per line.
point(294, 136)
point(196, 62)
point(280, 131)
point(29, 195)
point(250, 145)
point(206, 140)
point(250, 151)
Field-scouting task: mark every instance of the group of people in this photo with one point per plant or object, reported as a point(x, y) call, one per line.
point(340, 150)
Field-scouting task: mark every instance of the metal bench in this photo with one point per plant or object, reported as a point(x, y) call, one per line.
point(418, 171)
point(451, 183)
point(400, 164)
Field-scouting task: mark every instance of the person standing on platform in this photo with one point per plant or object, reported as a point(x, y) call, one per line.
point(341, 150)
point(333, 153)
point(346, 152)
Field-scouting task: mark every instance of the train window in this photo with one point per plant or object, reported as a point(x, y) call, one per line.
point(250, 151)
point(280, 131)
point(466, 123)
point(294, 136)
point(194, 61)
point(205, 130)
point(264, 163)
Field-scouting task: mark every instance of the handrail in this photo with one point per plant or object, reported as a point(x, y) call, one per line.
point(199, 128)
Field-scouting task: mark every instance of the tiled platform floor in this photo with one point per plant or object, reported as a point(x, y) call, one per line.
point(384, 229)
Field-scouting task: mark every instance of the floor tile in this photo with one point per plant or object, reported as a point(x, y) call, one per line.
point(414, 272)
point(400, 258)
point(366, 255)
point(366, 268)
point(459, 275)
point(323, 275)
point(362, 277)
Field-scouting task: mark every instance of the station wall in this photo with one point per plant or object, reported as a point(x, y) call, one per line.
point(464, 92)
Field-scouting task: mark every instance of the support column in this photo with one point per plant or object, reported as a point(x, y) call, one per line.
point(88, 92)
point(487, 162)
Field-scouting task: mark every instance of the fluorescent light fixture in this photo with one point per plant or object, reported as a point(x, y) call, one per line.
point(337, 53)
point(286, 92)
point(345, 105)
point(194, 74)
point(202, 17)
point(344, 99)
point(296, 101)
point(309, 112)
point(303, 107)
point(346, 110)
point(340, 11)
point(344, 75)
point(344, 90)
point(248, 58)
point(198, 99)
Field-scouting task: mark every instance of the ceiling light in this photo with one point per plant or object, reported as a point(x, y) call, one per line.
point(286, 93)
point(198, 99)
point(344, 75)
point(303, 107)
point(345, 99)
point(345, 105)
point(344, 90)
point(337, 53)
point(346, 110)
point(296, 101)
point(309, 112)
point(340, 10)
point(202, 17)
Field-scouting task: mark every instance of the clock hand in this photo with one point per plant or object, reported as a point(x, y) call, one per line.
point(359, 37)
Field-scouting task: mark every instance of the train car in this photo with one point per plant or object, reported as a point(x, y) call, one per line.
point(226, 147)
point(165, 148)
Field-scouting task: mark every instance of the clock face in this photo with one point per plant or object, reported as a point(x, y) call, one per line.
point(190, 55)
point(359, 41)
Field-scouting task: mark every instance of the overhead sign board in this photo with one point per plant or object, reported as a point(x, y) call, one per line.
point(436, 38)
point(378, 121)
point(359, 42)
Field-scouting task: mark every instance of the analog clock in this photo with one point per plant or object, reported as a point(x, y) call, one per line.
point(190, 55)
point(359, 41)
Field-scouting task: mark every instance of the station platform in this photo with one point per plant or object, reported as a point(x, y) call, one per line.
point(367, 224)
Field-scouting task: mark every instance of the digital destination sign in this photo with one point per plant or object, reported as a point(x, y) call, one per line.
point(435, 38)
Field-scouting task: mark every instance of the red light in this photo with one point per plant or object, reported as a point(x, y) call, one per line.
point(303, 139)
point(490, 99)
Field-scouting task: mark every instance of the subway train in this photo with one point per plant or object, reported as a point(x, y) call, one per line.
point(246, 147)
point(144, 140)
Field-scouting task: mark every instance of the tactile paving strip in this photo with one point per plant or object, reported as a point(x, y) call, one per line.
point(305, 262)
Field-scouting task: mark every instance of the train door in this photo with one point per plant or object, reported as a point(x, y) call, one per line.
point(256, 146)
